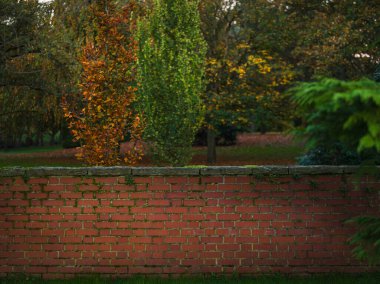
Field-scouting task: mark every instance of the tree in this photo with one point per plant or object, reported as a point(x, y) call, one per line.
point(331, 38)
point(171, 70)
point(108, 88)
point(217, 18)
point(29, 107)
point(245, 81)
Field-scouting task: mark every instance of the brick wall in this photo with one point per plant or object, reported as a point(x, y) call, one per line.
point(58, 223)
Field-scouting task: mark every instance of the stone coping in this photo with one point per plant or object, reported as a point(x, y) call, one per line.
point(185, 171)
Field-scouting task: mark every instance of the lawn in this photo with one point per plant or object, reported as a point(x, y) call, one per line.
point(335, 279)
point(31, 150)
point(253, 154)
point(55, 156)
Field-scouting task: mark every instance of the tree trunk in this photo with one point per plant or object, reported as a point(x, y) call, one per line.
point(52, 136)
point(211, 146)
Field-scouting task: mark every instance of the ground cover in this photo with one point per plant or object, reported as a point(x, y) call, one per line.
point(251, 149)
point(370, 278)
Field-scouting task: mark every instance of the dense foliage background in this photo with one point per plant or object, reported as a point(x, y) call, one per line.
point(255, 51)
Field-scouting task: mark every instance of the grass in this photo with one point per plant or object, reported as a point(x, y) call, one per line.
point(228, 156)
point(370, 278)
point(31, 150)
point(256, 152)
point(251, 155)
point(25, 162)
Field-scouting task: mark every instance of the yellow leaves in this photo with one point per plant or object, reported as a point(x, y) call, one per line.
point(240, 70)
point(254, 60)
point(238, 86)
point(212, 61)
point(264, 69)
point(243, 46)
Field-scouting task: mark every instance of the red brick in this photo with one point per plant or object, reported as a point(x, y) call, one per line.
point(73, 239)
point(105, 210)
point(137, 195)
point(123, 202)
point(210, 179)
point(243, 179)
point(106, 180)
point(38, 181)
point(147, 210)
point(19, 188)
point(196, 203)
point(18, 203)
point(70, 210)
point(88, 187)
point(176, 210)
point(36, 210)
point(247, 209)
point(86, 232)
point(158, 180)
point(122, 217)
point(86, 217)
point(123, 187)
point(265, 217)
point(159, 203)
point(49, 232)
point(159, 187)
point(143, 180)
point(174, 180)
point(53, 203)
point(228, 217)
point(145, 270)
point(37, 195)
point(54, 187)
point(71, 224)
point(143, 225)
point(88, 202)
point(176, 195)
point(140, 240)
point(5, 195)
point(70, 180)
point(109, 239)
point(212, 209)
point(157, 217)
point(53, 180)
point(228, 186)
point(193, 217)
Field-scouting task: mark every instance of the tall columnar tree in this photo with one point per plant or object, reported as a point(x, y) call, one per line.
point(171, 70)
point(108, 87)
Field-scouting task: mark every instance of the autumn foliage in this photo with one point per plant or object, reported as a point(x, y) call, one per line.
point(108, 89)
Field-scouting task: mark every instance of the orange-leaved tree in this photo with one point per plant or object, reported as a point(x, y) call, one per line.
point(106, 115)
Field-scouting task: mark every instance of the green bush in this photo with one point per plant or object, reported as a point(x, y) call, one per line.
point(336, 154)
point(340, 113)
